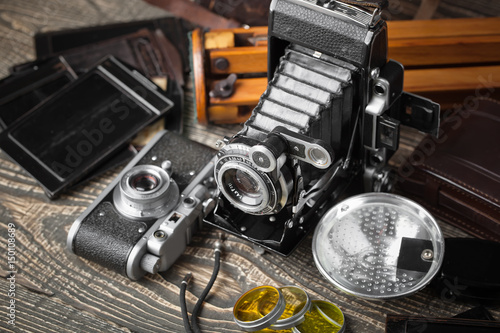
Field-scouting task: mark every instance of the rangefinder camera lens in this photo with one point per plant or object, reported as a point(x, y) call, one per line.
point(144, 182)
point(146, 191)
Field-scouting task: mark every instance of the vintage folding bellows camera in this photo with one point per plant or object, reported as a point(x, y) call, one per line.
point(329, 118)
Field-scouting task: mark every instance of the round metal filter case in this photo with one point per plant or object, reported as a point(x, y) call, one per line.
point(297, 304)
point(258, 308)
point(378, 246)
point(323, 317)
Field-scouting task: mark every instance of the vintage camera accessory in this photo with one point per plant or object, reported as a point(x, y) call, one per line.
point(22, 91)
point(286, 309)
point(378, 246)
point(52, 43)
point(142, 222)
point(465, 194)
point(147, 51)
point(152, 47)
point(64, 138)
point(381, 246)
point(328, 119)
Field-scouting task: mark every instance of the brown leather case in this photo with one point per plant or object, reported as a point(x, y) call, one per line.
point(457, 177)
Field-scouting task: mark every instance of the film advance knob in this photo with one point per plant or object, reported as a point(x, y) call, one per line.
point(150, 263)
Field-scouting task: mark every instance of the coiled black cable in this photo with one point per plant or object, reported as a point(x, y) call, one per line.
point(193, 327)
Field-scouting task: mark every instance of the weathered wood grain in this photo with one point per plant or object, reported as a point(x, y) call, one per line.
point(59, 292)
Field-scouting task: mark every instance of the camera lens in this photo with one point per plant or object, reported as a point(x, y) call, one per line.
point(144, 182)
point(245, 183)
point(244, 188)
point(144, 192)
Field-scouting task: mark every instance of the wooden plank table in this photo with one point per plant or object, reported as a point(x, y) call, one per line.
point(55, 291)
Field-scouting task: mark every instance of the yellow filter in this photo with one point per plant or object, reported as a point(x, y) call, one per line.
point(297, 303)
point(324, 317)
point(259, 308)
point(289, 309)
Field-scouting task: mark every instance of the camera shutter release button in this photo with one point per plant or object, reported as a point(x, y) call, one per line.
point(167, 166)
point(150, 263)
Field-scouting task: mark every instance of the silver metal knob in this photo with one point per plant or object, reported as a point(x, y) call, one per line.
point(150, 263)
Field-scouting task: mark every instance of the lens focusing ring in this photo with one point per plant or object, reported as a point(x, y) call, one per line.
point(232, 187)
point(245, 185)
point(145, 191)
point(144, 182)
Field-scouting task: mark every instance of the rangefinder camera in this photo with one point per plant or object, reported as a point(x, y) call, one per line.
point(142, 222)
point(328, 122)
